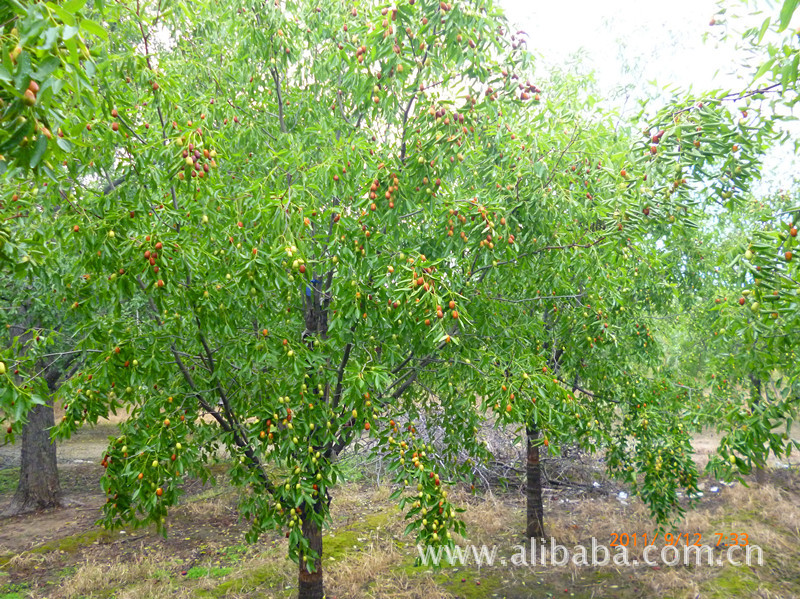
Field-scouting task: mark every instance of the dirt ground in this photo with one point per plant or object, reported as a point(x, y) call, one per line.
point(62, 554)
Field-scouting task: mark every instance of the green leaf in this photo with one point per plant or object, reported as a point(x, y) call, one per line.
point(23, 72)
point(93, 28)
point(46, 68)
point(17, 136)
point(70, 31)
point(74, 5)
point(64, 144)
point(38, 150)
point(787, 10)
point(50, 37)
point(763, 30)
point(62, 14)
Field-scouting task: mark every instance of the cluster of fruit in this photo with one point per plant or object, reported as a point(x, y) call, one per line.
point(29, 97)
point(197, 163)
point(388, 194)
point(152, 255)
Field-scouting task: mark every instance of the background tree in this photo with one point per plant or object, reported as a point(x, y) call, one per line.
point(719, 143)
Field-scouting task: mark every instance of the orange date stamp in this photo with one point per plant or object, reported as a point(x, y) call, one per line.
point(643, 539)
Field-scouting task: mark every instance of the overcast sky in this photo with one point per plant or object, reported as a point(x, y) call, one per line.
point(633, 42)
point(662, 40)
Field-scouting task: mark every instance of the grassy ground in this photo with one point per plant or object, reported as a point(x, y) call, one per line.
point(61, 555)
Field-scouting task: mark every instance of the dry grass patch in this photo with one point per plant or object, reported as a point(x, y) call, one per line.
point(354, 575)
point(93, 578)
point(218, 504)
point(398, 585)
point(489, 518)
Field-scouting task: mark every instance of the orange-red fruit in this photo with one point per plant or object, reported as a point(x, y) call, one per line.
point(788, 256)
point(159, 491)
point(741, 301)
point(793, 231)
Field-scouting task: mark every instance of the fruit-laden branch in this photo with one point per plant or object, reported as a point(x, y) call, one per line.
point(575, 387)
point(407, 379)
point(402, 364)
point(539, 251)
point(254, 462)
point(411, 100)
point(536, 299)
point(731, 97)
point(341, 107)
point(220, 391)
point(73, 355)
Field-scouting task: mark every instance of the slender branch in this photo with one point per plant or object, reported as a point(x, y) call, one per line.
point(276, 79)
point(337, 394)
point(539, 251)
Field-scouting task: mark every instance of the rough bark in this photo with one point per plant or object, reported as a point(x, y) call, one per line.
point(535, 506)
point(310, 584)
point(39, 486)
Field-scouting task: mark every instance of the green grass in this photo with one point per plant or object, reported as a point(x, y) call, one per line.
point(74, 542)
point(208, 572)
point(235, 553)
point(732, 582)
point(9, 478)
point(336, 544)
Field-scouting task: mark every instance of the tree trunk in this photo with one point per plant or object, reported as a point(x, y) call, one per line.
point(535, 507)
point(760, 466)
point(309, 584)
point(38, 487)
